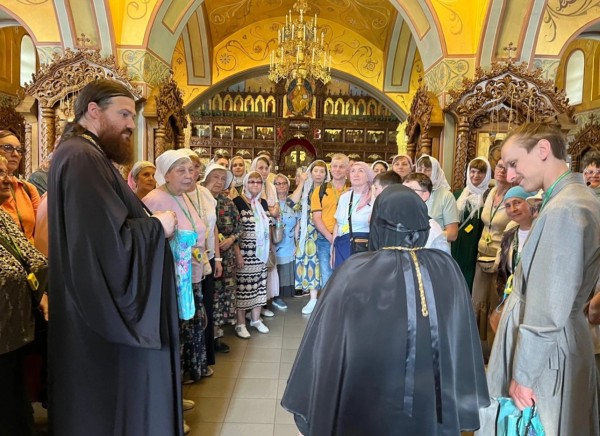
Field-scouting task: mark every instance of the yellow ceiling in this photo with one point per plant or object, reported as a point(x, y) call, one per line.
point(371, 19)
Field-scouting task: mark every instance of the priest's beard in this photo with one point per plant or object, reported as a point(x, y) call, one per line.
point(118, 146)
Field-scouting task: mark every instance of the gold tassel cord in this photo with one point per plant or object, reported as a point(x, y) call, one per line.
point(415, 259)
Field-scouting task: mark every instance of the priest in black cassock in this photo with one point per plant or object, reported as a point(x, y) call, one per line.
point(392, 348)
point(113, 334)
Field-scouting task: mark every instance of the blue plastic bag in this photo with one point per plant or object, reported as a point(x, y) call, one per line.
point(513, 422)
point(182, 244)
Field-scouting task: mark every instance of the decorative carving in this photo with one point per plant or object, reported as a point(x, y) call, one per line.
point(11, 120)
point(419, 119)
point(171, 118)
point(586, 139)
point(70, 72)
point(507, 94)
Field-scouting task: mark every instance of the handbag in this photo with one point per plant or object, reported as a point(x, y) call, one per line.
point(357, 245)
point(181, 245)
point(37, 277)
point(513, 422)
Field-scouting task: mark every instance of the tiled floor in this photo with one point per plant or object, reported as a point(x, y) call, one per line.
point(242, 397)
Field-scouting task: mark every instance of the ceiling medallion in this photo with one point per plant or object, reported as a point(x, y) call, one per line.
point(301, 53)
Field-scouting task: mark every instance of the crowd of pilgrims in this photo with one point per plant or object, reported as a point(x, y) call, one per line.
point(262, 240)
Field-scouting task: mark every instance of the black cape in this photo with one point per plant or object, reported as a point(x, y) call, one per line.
point(370, 363)
point(113, 332)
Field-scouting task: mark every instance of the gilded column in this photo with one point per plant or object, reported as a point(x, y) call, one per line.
point(47, 131)
point(28, 149)
point(425, 145)
point(460, 157)
point(159, 141)
point(179, 141)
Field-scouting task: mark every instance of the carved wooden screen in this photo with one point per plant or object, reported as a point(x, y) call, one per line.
point(496, 100)
point(56, 85)
point(585, 140)
point(11, 120)
point(418, 124)
point(171, 118)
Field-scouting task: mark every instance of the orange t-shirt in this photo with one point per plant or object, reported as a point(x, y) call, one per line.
point(329, 204)
point(22, 206)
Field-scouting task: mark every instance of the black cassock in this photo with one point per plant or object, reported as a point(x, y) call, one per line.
point(371, 363)
point(113, 332)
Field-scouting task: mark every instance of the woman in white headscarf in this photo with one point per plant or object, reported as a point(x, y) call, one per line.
point(469, 204)
point(441, 204)
point(254, 245)
point(262, 165)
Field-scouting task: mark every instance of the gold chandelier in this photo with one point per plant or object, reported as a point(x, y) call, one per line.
point(301, 53)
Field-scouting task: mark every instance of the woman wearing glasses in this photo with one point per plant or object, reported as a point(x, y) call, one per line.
point(591, 172)
point(255, 246)
point(24, 199)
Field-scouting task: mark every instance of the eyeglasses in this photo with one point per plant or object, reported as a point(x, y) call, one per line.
point(418, 190)
point(3, 174)
point(595, 172)
point(280, 184)
point(254, 182)
point(501, 167)
point(9, 149)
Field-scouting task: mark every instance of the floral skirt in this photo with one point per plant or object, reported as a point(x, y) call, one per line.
point(225, 287)
point(191, 340)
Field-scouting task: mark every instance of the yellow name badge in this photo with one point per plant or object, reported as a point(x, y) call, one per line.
point(345, 228)
point(488, 238)
point(197, 255)
point(33, 281)
point(469, 228)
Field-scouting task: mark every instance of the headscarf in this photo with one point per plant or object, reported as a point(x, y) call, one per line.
point(237, 181)
point(135, 171)
point(473, 195)
point(399, 218)
point(438, 178)
point(307, 190)
point(215, 166)
point(165, 161)
point(261, 221)
point(398, 156)
point(518, 192)
point(269, 193)
point(365, 196)
point(382, 162)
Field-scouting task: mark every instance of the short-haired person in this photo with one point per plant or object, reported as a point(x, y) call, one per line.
point(591, 171)
point(543, 351)
point(113, 343)
point(323, 208)
point(383, 180)
point(470, 206)
point(421, 184)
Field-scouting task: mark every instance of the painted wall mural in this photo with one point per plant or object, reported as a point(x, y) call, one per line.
point(449, 74)
point(143, 66)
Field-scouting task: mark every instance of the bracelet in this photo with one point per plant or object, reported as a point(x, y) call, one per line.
point(218, 259)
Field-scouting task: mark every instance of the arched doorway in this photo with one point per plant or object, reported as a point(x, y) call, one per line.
point(297, 152)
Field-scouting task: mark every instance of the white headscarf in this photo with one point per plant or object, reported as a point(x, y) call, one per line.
point(382, 162)
point(307, 190)
point(261, 220)
point(164, 163)
point(472, 196)
point(215, 166)
point(269, 192)
point(438, 178)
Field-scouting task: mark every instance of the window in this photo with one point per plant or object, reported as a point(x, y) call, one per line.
point(574, 77)
point(27, 60)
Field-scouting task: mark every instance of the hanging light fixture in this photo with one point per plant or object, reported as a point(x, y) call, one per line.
point(301, 52)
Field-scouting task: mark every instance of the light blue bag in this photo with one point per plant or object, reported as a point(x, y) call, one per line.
point(513, 422)
point(182, 244)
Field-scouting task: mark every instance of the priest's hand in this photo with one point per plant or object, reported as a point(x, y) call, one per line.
point(168, 219)
point(521, 395)
point(44, 306)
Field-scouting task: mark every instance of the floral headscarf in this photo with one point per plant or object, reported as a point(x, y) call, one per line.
point(261, 220)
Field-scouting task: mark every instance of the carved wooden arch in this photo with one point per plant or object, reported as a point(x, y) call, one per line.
point(506, 95)
point(56, 85)
point(420, 129)
point(586, 139)
point(11, 120)
point(171, 118)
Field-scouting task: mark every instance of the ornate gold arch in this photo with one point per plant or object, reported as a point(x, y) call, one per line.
point(495, 100)
point(421, 128)
point(586, 139)
point(171, 117)
point(56, 85)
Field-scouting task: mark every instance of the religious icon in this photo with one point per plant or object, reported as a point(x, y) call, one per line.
point(300, 97)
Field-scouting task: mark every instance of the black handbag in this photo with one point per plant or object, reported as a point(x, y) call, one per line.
point(358, 244)
point(37, 278)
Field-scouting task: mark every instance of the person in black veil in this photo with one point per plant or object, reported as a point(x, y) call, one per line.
point(399, 355)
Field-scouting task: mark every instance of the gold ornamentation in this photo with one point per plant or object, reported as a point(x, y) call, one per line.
point(456, 24)
point(415, 259)
point(557, 13)
point(136, 10)
point(507, 93)
point(587, 138)
point(447, 75)
point(70, 72)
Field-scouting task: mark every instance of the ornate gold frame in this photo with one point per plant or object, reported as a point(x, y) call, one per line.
point(508, 94)
point(586, 139)
point(419, 127)
point(169, 115)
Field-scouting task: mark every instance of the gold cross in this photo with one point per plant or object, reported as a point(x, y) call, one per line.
point(83, 40)
point(509, 50)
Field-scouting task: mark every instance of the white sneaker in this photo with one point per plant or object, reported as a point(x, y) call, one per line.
point(310, 306)
point(188, 404)
point(249, 317)
point(219, 333)
point(186, 428)
point(241, 331)
point(266, 312)
point(258, 325)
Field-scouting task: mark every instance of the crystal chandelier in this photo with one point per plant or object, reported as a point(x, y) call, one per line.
point(301, 53)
